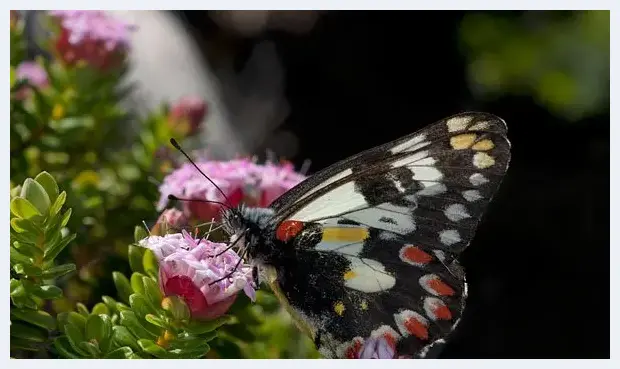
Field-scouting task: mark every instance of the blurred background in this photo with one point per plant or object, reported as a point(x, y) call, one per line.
point(324, 85)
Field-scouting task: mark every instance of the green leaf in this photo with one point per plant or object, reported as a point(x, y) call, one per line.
point(176, 307)
point(140, 306)
point(24, 301)
point(28, 332)
point(58, 203)
point(120, 353)
point(27, 228)
point(49, 184)
point(110, 302)
point(75, 337)
point(97, 328)
point(156, 321)
point(27, 269)
point(195, 353)
point(139, 233)
point(123, 337)
point(204, 327)
point(36, 195)
point(101, 308)
point(65, 217)
point(28, 249)
point(17, 289)
point(136, 283)
point(150, 263)
point(23, 344)
point(58, 271)
point(91, 348)
point(153, 349)
point(39, 318)
point(135, 259)
point(82, 309)
point(48, 292)
point(122, 286)
point(17, 257)
point(65, 349)
point(151, 291)
point(129, 320)
point(54, 250)
point(22, 208)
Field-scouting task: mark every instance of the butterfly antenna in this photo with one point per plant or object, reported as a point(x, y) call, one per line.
point(178, 147)
point(174, 198)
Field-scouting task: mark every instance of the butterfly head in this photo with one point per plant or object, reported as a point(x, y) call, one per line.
point(249, 228)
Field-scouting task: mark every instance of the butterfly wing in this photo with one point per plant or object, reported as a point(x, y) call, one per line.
point(392, 221)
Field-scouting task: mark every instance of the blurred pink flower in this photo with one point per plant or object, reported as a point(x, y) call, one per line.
point(188, 265)
point(33, 73)
point(91, 36)
point(241, 180)
point(187, 114)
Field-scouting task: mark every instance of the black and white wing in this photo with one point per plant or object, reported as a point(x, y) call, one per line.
point(391, 222)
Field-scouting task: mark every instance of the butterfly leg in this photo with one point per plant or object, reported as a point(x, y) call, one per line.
point(255, 276)
point(317, 338)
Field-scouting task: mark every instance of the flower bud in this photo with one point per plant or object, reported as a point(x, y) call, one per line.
point(187, 114)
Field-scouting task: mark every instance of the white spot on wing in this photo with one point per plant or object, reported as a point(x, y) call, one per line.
point(336, 177)
point(433, 190)
point(479, 126)
point(477, 179)
point(456, 212)
point(458, 123)
point(401, 215)
point(471, 195)
point(345, 248)
point(449, 237)
point(369, 276)
point(413, 143)
point(341, 199)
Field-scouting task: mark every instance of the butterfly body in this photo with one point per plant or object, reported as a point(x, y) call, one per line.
point(368, 247)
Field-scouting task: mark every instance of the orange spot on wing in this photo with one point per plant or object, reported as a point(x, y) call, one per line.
point(416, 328)
point(289, 229)
point(440, 287)
point(442, 312)
point(415, 255)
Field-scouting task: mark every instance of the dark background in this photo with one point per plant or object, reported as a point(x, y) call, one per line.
point(538, 267)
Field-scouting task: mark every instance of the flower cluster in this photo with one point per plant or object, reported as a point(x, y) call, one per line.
point(201, 272)
point(91, 36)
point(241, 180)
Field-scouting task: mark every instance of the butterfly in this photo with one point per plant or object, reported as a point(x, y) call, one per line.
point(369, 246)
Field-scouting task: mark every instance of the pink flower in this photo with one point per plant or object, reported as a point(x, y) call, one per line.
point(91, 36)
point(188, 265)
point(34, 74)
point(241, 180)
point(187, 115)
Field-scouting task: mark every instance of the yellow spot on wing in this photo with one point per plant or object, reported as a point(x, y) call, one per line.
point(483, 145)
point(349, 275)
point(364, 305)
point(463, 141)
point(483, 160)
point(339, 308)
point(344, 234)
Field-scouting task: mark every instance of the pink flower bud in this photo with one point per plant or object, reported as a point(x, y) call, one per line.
point(191, 269)
point(187, 114)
